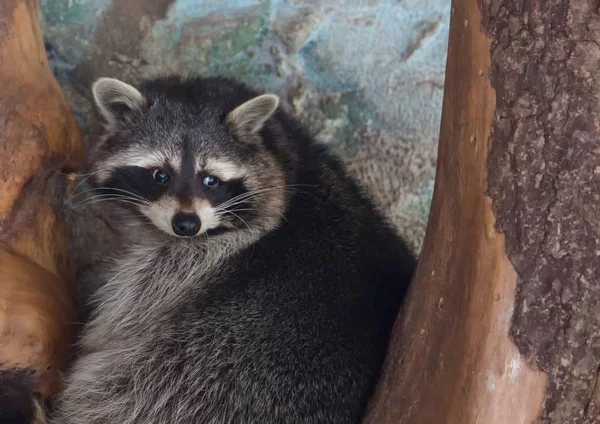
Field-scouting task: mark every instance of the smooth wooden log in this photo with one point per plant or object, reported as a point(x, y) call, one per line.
point(451, 359)
point(38, 140)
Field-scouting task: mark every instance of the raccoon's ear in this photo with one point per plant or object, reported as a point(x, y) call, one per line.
point(117, 101)
point(251, 116)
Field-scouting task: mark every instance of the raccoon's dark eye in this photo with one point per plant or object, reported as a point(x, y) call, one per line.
point(211, 182)
point(160, 176)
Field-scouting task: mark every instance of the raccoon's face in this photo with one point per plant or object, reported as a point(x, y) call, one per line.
point(189, 163)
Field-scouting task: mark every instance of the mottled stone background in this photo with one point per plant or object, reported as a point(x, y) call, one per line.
point(365, 75)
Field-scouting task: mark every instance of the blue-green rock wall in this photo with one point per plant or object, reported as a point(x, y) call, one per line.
point(365, 75)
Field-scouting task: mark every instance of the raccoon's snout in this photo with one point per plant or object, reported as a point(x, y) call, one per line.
point(185, 224)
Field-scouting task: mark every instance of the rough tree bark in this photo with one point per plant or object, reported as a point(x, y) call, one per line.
point(38, 139)
point(502, 324)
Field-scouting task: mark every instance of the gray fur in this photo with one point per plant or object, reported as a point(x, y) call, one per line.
point(113, 96)
point(121, 341)
point(283, 318)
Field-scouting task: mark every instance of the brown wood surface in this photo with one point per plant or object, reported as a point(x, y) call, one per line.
point(38, 139)
point(451, 359)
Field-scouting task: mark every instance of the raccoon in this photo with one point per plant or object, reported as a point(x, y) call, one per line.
point(260, 284)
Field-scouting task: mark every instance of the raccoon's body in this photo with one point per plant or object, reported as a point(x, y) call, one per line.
point(278, 311)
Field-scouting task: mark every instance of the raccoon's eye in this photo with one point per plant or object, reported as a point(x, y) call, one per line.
point(160, 176)
point(211, 182)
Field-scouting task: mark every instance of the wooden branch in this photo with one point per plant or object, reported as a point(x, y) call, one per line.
point(451, 359)
point(38, 139)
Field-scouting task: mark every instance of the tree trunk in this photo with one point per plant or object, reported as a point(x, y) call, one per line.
point(38, 139)
point(502, 324)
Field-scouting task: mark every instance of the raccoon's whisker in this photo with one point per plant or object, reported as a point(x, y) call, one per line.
point(238, 217)
point(58, 171)
point(299, 193)
point(138, 225)
point(125, 193)
point(224, 212)
point(85, 179)
point(241, 197)
point(96, 199)
point(77, 174)
point(253, 197)
point(74, 195)
point(113, 196)
point(132, 201)
point(281, 214)
point(262, 190)
point(246, 197)
point(228, 207)
point(289, 188)
point(87, 176)
point(81, 174)
point(98, 196)
point(74, 191)
point(100, 189)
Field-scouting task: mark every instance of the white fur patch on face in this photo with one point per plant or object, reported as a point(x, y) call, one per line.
point(208, 215)
point(137, 157)
point(161, 213)
point(222, 169)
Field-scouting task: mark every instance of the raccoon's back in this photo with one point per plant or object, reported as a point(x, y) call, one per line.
point(295, 328)
point(292, 329)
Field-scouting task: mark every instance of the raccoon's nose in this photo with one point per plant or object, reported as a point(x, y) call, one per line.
point(186, 224)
